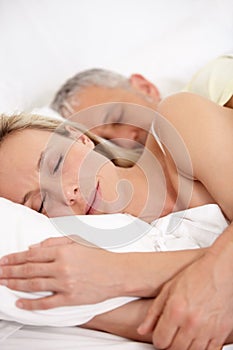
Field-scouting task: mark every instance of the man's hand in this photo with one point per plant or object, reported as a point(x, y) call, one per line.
point(194, 310)
point(75, 273)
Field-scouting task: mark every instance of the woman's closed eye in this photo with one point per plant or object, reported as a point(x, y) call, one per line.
point(56, 168)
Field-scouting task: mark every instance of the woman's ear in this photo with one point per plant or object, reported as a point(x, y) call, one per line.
point(79, 136)
point(145, 87)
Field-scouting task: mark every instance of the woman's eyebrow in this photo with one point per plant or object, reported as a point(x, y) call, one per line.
point(38, 166)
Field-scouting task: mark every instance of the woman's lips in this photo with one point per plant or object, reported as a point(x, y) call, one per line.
point(91, 207)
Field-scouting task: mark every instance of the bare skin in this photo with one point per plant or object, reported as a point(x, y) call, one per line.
point(141, 92)
point(129, 131)
point(205, 122)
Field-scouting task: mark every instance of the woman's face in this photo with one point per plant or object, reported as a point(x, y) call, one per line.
point(57, 175)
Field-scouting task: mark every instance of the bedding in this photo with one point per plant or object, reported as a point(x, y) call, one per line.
point(68, 338)
point(65, 338)
point(193, 228)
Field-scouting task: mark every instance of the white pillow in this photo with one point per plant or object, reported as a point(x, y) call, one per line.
point(21, 227)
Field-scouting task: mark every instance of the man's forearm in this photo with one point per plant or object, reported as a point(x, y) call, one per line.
point(142, 274)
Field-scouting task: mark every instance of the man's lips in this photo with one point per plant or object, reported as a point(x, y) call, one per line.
point(91, 207)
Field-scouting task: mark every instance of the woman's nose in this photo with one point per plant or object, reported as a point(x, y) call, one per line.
point(71, 194)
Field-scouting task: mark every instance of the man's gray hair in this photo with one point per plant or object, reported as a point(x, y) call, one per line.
point(62, 102)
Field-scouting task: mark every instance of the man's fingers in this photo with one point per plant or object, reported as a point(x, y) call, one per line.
point(214, 345)
point(45, 303)
point(154, 312)
point(164, 332)
point(171, 324)
point(179, 341)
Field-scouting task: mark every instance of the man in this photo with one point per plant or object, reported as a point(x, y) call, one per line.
point(98, 86)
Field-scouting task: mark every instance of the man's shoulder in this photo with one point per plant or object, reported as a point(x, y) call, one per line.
point(206, 130)
point(185, 107)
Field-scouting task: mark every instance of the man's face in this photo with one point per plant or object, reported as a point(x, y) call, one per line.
point(120, 127)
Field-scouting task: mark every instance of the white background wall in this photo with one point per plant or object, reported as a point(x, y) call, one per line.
point(44, 42)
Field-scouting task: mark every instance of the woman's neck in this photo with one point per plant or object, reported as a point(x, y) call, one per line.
point(152, 193)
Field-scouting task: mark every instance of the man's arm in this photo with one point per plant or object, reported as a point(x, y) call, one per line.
point(125, 320)
point(195, 308)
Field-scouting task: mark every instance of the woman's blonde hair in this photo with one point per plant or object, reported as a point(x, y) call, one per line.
point(118, 155)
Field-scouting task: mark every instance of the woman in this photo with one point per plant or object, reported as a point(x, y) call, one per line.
point(184, 172)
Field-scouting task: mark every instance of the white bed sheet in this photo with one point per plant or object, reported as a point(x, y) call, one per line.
point(69, 338)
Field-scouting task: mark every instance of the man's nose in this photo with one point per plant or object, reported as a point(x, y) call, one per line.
point(71, 194)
